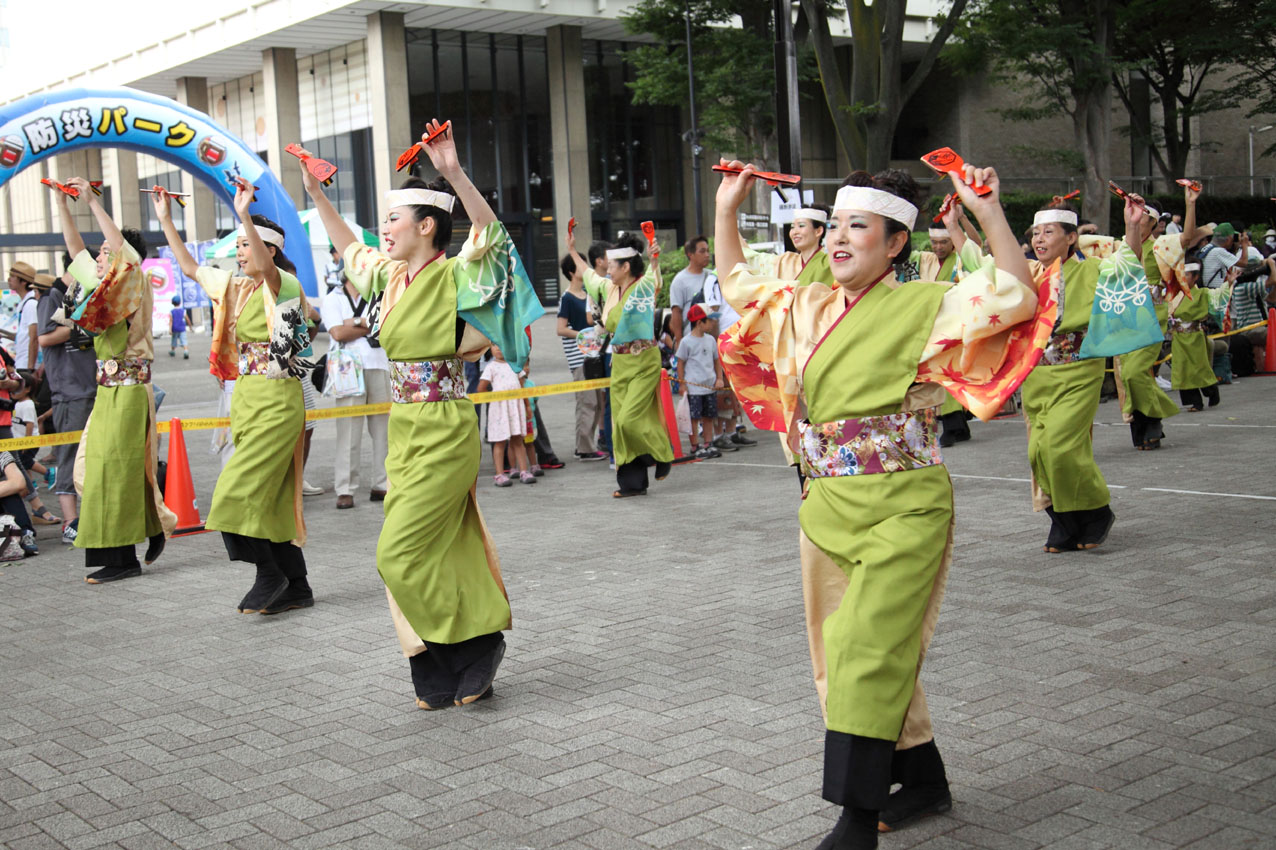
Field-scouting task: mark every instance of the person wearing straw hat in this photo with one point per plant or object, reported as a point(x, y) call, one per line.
point(119, 447)
point(435, 554)
point(855, 371)
point(261, 341)
point(1143, 403)
point(26, 347)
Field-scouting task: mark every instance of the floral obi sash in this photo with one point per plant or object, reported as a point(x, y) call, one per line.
point(1181, 326)
point(413, 381)
point(254, 358)
point(893, 443)
point(1063, 348)
point(123, 372)
point(637, 346)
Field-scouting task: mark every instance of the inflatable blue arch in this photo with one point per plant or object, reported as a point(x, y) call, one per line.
point(46, 125)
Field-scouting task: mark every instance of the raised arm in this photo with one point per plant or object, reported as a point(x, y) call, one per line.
point(575, 255)
point(70, 233)
point(732, 191)
point(1002, 241)
point(339, 233)
point(164, 212)
point(261, 254)
point(1190, 231)
point(1133, 214)
point(110, 229)
point(954, 221)
point(442, 153)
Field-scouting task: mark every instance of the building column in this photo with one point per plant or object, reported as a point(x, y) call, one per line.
point(569, 127)
point(201, 209)
point(283, 116)
point(126, 200)
point(392, 131)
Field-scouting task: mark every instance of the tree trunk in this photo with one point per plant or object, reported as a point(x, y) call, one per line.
point(849, 136)
point(1091, 127)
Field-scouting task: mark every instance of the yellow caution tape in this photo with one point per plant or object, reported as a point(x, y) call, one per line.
point(19, 443)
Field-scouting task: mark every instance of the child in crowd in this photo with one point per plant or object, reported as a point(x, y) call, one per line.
point(698, 364)
point(178, 335)
point(506, 420)
point(24, 425)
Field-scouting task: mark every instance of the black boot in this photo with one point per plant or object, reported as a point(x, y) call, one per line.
point(293, 565)
point(269, 586)
point(923, 787)
point(856, 829)
point(154, 547)
point(477, 678)
point(434, 684)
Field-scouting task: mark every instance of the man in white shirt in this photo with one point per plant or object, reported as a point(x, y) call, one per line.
point(26, 339)
point(688, 283)
point(345, 315)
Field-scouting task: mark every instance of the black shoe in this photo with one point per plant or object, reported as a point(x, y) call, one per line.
point(154, 546)
point(476, 680)
point(112, 574)
point(856, 829)
point(740, 440)
point(723, 444)
point(269, 586)
point(29, 549)
point(435, 687)
point(298, 595)
point(1097, 525)
point(662, 470)
point(923, 787)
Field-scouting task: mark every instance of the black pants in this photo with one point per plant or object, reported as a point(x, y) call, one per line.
point(16, 506)
point(111, 556)
point(436, 671)
point(256, 550)
point(1192, 398)
point(544, 451)
point(956, 427)
point(857, 770)
point(1145, 428)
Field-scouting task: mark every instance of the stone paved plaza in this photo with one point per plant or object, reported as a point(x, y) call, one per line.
point(656, 692)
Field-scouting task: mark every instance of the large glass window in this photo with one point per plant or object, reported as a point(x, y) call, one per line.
point(352, 154)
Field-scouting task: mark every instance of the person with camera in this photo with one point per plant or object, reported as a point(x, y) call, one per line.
point(70, 369)
point(347, 316)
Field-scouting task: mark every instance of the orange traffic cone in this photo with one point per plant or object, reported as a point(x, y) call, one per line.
point(671, 418)
point(179, 489)
point(1269, 364)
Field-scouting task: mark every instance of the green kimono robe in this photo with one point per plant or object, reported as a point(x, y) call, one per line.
point(637, 422)
point(116, 465)
point(1140, 390)
point(1192, 356)
point(435, 553)
point(1059, 403)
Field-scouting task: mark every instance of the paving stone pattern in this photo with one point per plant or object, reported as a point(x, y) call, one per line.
point(656, 692)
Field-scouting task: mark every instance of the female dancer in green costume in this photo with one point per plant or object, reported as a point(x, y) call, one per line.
point(118, 447)
point(435, 555)
point(865, 358)
point(628, 299)
point(1061, 396)
point(260, 340)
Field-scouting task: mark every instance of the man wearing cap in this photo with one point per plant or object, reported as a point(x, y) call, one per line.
point(1219, 256)
point(22, 281)
point(1269, 244)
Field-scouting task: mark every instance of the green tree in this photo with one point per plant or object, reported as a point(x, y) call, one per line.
point(867, 115)
point(1058, 53)
point(734, 68)
point(1177, 46)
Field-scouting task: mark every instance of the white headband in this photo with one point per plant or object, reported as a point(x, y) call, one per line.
point(1191, 267)
point(937, 233)
point(1151, 211)
point(269, 236)
point(621, 253)
point(1054, 217)
point(868, 199)
point(419, 198)
point(817, 216)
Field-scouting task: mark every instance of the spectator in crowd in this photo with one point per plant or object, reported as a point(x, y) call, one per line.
point(334, 269)
point(70, 369)
point(1175, 224)
point(575, 315)
point(506, 420)
point(688, 285)
point(345, 315)
point(700, 376)
point(25, 425)
point(731, 431)
point(1268, 248)
point(1253, 292)
point(597, 256)
point(26, 346)
point(177, 330)
point(1219, 256)
point(13, 485)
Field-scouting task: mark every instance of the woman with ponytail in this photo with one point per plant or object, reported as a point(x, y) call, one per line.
point(435, 554)
point(260, 341)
